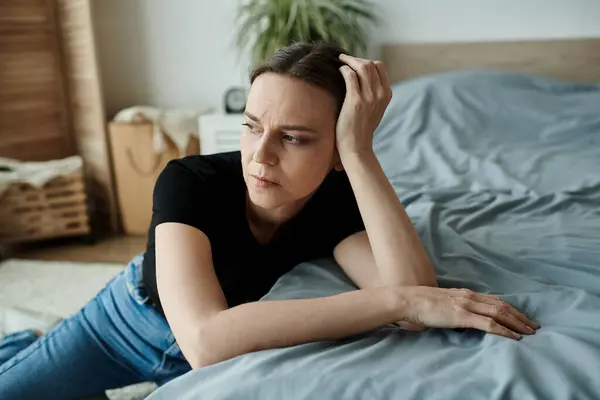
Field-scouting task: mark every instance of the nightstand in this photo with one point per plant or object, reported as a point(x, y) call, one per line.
point(220, 132)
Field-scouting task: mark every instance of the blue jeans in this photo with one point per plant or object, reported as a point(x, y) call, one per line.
point(14, 343)
point(117, 339)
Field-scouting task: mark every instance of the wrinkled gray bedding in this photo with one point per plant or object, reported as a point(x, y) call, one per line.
point(500, 174)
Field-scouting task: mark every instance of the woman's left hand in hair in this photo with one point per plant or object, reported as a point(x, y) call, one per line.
point(368, 94)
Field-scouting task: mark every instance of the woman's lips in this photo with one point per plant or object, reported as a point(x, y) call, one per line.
point(263, 182)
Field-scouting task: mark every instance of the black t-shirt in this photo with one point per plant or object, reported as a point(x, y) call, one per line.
point(208, 192)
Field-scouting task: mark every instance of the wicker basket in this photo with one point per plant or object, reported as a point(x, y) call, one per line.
point(57, 209)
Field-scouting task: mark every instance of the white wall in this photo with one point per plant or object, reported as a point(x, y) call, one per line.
point(468, 20)
point(180, 53)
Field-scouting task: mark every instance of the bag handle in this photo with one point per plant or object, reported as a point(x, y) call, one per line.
point(136, 168)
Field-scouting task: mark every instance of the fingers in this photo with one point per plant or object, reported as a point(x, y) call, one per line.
point(368, 75)
point(385, 88)
point(496, 300)
point(488, 324)
point(362, 69)
point(382, 72)
point(500, 314)
point(352, 84)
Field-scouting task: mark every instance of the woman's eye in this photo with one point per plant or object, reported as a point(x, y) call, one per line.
point(291, 139)
point(251, 128)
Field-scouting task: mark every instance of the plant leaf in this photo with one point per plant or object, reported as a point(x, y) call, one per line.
point(263, 26)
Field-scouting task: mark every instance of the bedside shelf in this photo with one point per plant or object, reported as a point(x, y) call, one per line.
point(220, 132)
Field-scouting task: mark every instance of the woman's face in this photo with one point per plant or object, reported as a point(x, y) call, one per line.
point(288, 141)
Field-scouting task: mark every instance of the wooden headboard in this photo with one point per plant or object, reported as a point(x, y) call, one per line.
point(576, 60)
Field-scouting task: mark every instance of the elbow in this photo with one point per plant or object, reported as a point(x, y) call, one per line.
point(209, 347)
point(195, 363)
point(202, 353)
point(198, 362)
point(199, 357)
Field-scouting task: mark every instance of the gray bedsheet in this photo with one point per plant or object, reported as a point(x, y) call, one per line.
point(500, 174)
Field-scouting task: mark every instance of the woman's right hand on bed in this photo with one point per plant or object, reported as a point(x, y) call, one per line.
point(434, 307)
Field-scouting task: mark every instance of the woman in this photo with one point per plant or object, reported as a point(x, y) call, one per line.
point(305, 185)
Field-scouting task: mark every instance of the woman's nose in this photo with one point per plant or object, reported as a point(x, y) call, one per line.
point(265, 152)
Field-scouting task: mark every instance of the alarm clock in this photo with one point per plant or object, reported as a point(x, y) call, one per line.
point(235, 100)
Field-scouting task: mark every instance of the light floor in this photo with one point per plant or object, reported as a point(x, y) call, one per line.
point(114, 249)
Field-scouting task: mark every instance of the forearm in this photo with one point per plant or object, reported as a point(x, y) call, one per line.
point(281, 323)
point(398, 252)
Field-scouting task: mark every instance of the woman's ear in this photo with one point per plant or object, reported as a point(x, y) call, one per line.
point(337, 163)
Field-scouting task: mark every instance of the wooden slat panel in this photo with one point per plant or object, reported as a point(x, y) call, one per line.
point(19, 70)
point(28, 122)
point(32, 58)
point(23, 11)
point(27, 70)
point(36, 134)
point(19, 94)
point(33, 108)
point(24, 41)
point(41, 149)
point(25, 109)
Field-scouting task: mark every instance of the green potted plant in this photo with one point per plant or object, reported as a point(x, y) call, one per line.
point(263, 26)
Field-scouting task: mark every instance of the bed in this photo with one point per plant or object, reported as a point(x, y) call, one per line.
point(494, 150)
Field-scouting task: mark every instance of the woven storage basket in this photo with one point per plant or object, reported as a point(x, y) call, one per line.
point(57, 209)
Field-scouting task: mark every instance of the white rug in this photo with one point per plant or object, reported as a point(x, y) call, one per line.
point(50, 287)
point(61, 289)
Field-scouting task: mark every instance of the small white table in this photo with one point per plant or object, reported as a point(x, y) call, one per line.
point(220, 132)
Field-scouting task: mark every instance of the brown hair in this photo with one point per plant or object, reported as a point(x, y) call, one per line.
point(315, 63)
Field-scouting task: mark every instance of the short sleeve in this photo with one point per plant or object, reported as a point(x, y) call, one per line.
point(347, 214)
point(180, 195)
point(338, 214)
